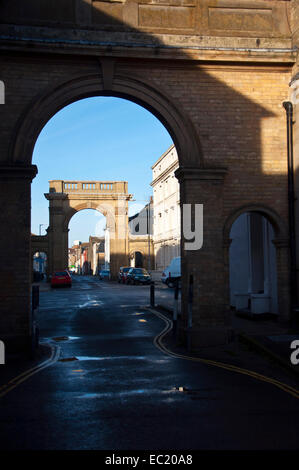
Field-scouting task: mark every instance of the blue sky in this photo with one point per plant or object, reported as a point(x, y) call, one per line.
point(100, 138)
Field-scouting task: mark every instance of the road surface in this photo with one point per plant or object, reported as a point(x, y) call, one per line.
point(112, 388)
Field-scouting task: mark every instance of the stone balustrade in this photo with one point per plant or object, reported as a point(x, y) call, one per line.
point(67, 187)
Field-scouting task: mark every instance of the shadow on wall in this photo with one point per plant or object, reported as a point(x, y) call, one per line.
point(165, 252)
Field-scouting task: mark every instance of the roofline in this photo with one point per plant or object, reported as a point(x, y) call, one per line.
point(162, 156)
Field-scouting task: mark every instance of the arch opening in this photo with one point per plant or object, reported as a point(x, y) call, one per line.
point(87, 254)
point(137, 260)
point(104, 157)
point(253, 264)
point(39, 266)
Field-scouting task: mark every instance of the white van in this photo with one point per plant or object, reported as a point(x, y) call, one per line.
point(172, 273)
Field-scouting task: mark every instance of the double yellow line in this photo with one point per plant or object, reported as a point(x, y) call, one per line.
point(6, 388)
point(158, 342)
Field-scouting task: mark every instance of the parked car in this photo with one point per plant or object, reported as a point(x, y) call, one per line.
point(172, 274)
point(61, 278)
point(138, 276)
point(122, 275)
point(104, 274)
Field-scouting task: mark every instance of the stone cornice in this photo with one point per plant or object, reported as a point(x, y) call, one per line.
point(200, 174)
point(164, 173)
point(199, 47)
point(88, 196)
point(55, 196)
point(281, 242)
point(18, 172)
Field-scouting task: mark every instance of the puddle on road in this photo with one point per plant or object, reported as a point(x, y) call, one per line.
point(124, 394)
point(65, 338)
point(115, 358)
point(60, 338)
point(68, 359)
point(89, 358)
point(91, 303)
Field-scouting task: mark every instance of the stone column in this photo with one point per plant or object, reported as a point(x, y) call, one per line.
point(210, 310)
point(15, 246)
point(119, 237)
point(57, 233)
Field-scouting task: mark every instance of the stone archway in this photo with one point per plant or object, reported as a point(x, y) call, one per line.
point(177, 123)
point(68, 197)
point(55, 97)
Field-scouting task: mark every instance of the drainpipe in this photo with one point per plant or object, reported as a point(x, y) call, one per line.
point(291, 197)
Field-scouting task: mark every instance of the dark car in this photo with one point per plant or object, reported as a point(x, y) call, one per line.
point(138, 276)
point(104, 274)
point(122, 275)
point(61, 278)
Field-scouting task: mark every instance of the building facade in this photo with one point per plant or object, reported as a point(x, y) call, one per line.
point(166, 209)
point(141, 252)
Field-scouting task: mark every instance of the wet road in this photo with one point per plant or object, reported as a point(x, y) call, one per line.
point(113, 389)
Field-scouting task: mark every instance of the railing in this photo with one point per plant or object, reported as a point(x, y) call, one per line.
point(69, 186)
point(59, 186)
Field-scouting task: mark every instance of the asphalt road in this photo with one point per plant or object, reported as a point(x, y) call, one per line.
point(111, 388)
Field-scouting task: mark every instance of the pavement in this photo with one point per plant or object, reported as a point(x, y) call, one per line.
point(266, 336)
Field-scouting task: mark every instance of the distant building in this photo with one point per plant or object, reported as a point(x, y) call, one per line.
point(40, 262)
point(87, 257)
point(142, 222)
point(96, 254)
point(141, 238)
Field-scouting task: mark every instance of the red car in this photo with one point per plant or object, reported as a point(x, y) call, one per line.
point(61, 278)
point(122, 275)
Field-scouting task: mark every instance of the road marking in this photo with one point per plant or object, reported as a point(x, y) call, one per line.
point(13, 383)
point(158, 342)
